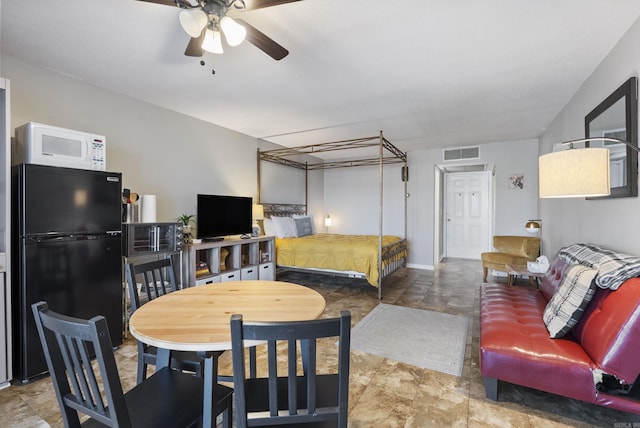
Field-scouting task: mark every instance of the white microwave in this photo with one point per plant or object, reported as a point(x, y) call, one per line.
point(49, 145)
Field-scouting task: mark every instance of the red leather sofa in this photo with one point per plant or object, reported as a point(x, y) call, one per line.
point(598, 361)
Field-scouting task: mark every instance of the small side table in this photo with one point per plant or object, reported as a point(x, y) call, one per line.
point(514, 271)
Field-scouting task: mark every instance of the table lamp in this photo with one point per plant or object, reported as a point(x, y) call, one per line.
point(257, 211)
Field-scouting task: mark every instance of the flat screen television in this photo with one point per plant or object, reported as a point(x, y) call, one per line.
point(219, 216)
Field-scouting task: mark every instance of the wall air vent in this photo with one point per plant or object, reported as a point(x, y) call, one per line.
point(461, 153)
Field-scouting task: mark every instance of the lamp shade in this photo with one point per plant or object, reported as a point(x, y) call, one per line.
point(327, 221)
point(193, 21)
point(533, 226)
point(258, 211)
point(234, 32)
point(212, 42)
point(574, 173)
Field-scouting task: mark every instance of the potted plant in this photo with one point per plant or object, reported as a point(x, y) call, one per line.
point(186, 220)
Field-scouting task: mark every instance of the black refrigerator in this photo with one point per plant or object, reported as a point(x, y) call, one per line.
point(68, 244)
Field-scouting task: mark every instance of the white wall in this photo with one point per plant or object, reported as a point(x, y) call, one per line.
point(513, 207)
point(610, 222)
point(286, 185)
point(352, 198)
point(158, 151)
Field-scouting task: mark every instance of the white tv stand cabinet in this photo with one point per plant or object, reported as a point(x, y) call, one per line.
point(231, 260)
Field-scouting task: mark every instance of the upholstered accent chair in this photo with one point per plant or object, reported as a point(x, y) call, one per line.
point(510, 250)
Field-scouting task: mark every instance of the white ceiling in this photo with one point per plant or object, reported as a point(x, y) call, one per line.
point(429, 73)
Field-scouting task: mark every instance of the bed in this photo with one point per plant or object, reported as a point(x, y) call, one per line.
point(352, 255)
point(356, 256)
point(372, 257)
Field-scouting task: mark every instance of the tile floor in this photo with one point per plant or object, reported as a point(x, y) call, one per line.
point(384, 393)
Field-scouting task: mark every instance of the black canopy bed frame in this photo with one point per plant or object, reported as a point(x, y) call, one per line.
point(390, 257)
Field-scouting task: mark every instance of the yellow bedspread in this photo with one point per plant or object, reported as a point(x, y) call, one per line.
point(329, 251)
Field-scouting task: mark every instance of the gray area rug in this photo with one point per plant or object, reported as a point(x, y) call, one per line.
point(430, 340)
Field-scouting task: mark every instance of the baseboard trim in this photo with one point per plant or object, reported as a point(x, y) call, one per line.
point(422, 267)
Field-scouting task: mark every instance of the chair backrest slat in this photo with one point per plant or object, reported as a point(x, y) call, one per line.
point(292, 376)
point(310, 370)
point(272, 359)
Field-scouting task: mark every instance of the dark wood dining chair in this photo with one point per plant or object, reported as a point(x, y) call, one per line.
point(157, 279)
point(314, 398)
point(168, 398)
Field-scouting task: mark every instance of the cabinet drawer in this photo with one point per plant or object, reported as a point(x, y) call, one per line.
point(230, 276)
point(208, 280)
point(249, 273)
point(266, 272)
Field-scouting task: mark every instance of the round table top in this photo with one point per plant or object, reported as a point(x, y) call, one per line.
point(197, 318)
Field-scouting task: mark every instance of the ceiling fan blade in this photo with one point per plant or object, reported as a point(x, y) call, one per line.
point(263, 42)
point(261, 4)
point(194, 48)
point(165, 2)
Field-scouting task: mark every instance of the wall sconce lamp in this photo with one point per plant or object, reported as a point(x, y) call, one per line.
point(577, 172)
point(327, 222)
point(534, 226)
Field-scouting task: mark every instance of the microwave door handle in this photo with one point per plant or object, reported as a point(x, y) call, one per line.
point(86, 147)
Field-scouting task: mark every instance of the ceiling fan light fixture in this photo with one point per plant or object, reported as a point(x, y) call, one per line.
point(233, 32)
point(193, 21)
point(213, 42)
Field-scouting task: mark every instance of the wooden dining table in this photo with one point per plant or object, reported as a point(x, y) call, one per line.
point(197, 319)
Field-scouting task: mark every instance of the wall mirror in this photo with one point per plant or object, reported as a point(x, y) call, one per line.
point(617, 117)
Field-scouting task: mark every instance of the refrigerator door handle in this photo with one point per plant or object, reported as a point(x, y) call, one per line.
point(45, 238)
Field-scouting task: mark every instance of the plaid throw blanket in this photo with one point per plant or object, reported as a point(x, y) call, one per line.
point(613, 268)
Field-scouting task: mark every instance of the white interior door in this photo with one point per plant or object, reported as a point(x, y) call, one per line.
point(467, 216)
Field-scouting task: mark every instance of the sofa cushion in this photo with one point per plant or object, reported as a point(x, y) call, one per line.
point(515, 345)
point(609, 330)
point(553, 278)
point(567, 305)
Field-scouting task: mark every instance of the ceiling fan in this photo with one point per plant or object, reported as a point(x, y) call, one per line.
point(207, 20)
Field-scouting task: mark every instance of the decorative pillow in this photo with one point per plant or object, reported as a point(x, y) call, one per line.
point(310, 217)
point(568, 303)
point(269, 228)
point(303, 226)
point(285, 227)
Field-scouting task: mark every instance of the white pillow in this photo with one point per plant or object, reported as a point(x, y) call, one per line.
point(285, 227)
point(269, 228)
point(313, 223)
